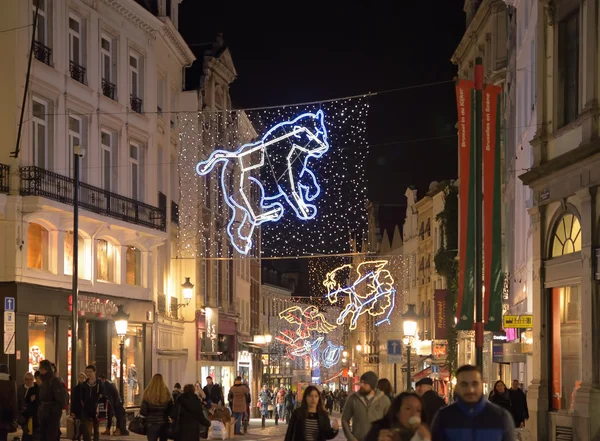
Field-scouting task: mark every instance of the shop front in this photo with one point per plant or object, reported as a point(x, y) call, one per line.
point(43, 321)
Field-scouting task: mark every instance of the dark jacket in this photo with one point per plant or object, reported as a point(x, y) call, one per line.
point(461, 422)
point(156, 414)
point(52, 398)
point(91, 395)
point(111, 393)
point(214, 393)
point(432, 402)
point(502, 400)
point(189, 414)
point(76, 401)
point(295, 430)
point(385, 423)
point(27, 407)
point(9, 404)
point(518, 404)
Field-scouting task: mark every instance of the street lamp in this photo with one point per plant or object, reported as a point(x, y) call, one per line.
point(268, 340)
point(410, 329)
point(121, 325)
point(358, 347)
point(187, 288)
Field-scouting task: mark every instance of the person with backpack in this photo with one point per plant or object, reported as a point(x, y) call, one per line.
point(92, 393)
point(52, 402)
point(432, 402)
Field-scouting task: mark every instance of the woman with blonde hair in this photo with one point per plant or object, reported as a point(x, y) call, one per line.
point(157, 404)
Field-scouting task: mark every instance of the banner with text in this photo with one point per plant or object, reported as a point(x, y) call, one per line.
point(465, 96)
point(492, 209)
point(440, 314)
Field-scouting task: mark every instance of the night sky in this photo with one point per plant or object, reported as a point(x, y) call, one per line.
point(309, 51)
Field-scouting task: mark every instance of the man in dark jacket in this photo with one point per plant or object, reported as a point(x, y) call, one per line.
point(518, 404)
point(115, 407)
point(213, 392)
point(52, 402)
point(472, 413)
point(8, 403)
point(92, 392)
point(432, 402)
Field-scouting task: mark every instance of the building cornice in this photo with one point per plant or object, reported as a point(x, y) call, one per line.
point(483, 12)
point(136, 14)
point(176, 41)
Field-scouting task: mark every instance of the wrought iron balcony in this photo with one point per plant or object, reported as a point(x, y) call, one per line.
point(36, 181)
point(42, 52)
point(136, 103)
point(4, 178)
point(174, 212)
point(77, 72)
point(109, 89)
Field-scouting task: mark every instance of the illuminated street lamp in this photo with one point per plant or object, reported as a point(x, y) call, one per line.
point(187, 288)
point(410, 329)
point(121, 318)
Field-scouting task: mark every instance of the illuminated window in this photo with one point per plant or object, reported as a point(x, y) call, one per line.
point(69, 255)
point(37, 247)
point(567, 236)
point(106, 262)
point(133, 266)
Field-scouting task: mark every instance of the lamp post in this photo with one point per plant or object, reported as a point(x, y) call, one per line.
point(121, 319)
point(410, 329)
point(268, 340)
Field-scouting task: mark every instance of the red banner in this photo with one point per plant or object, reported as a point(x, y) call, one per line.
point(492, 210)
point(440, 314)
point(465, 299)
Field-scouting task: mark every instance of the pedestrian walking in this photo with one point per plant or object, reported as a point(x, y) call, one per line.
point(8, 404)
point(238, 397)
point(364, 407)
point(385, 386)
point(403, 422)
point(518, 404)
point(472, 417)
point(157, 407)
point(27, 395)
point(310, 422)
point(52, 401)
point(432, 402)
point(189, 412)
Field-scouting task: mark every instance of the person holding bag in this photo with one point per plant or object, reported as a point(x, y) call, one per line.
point(157, 407)
point(189, 415)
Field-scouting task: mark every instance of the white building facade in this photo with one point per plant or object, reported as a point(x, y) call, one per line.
point(99, 73)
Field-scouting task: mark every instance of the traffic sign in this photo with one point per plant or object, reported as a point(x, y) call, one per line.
point(395, 359)
point(9, 321)
point(394, 347)
point(9, 343)
point(9, 304)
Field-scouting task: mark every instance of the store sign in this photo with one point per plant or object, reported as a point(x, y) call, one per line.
point(517, 321)
point(440, 316)
point(211, 323)
point(94, 305)
point(440, 349)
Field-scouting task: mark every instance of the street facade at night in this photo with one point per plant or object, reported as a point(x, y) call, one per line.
point(370, 222)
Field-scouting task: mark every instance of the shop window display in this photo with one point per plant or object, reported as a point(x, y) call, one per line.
point(37, 247)
point(105, 257)
point(81, 257)
point(133, 368)
point(42, 340)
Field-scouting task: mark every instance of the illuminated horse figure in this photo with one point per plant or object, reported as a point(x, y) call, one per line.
point(371, 292)
point(303, 138)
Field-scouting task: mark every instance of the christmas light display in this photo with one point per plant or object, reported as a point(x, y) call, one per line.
point(308, 319)
point(309, 348)
point(303, 138)
point(371, 292)
point(333, 186)
point(331, 355)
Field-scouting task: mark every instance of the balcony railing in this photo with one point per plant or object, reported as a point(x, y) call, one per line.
point(174, 212)
point(136, 103)
point(36, 181)
point(4, 178)
point(109, 89)
point(42, 52)
point(77, 72)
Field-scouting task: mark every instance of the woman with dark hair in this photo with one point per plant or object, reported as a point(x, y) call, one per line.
point(310, 422)
point(189, 415)
point(500, 395)
point(385, 386)
point(402, 422)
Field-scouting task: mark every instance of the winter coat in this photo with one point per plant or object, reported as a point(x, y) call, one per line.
point(483, 421)
point(502, 400)
point(432, 402)
point(9, 404)
point(363, 413)
point(518, 404)
point(53, 398)
point(91, 395)
point(295, 430)
point(214, 393)
point(238, 397)
point(27, 407)
point(156, 414)
point(189, 414)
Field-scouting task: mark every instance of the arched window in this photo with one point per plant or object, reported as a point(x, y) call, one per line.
point(133, 261)
point(81, 257)
point(105, 261)
point(37, 247)
point(567, 236)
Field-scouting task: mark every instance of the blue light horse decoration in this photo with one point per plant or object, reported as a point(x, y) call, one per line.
point(303, 138)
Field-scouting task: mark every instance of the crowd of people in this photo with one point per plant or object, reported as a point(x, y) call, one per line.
point(372, 413)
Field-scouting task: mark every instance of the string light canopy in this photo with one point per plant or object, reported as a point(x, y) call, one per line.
point(306, 199)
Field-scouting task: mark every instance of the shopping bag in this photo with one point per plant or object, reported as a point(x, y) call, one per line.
point(217, 431)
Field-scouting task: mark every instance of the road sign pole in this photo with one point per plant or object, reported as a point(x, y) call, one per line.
point(395, 380)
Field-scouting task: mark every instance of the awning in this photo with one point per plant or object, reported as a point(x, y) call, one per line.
point(444, 374)
point(253, 348)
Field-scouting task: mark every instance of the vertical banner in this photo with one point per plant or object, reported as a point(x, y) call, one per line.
point(211, 323)
point(556, 367)
point(466, 249)
point(492, 210)
point(440, 316)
